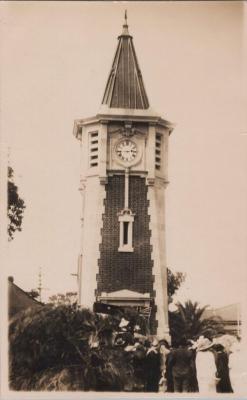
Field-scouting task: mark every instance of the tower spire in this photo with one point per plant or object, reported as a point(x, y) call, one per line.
point(125, 87)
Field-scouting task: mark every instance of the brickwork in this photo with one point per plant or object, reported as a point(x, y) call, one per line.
point(119, 270)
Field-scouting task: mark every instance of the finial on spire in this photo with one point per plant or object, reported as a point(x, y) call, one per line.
point(125, 17)
point(125, 25)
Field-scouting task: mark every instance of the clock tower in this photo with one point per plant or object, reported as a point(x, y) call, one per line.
point(124, 152)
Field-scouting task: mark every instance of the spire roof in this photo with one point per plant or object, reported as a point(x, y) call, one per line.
point(125, 88)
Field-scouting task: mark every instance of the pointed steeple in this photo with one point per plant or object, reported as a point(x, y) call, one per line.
point(125, 88)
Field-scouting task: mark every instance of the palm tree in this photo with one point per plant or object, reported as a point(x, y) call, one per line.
point(187, 322)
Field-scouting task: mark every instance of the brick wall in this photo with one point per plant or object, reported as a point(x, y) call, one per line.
point(119, 270)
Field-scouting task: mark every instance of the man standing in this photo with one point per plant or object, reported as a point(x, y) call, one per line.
point(181, 364)
point(153, 367)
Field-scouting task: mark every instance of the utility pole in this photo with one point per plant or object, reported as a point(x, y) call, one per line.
point(40, 284)
point(40, 287)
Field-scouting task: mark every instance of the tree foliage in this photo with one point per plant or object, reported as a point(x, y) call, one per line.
point(188, 323)
point(174, 281)
point(68, 298)
point(16, 206)
point(68, 348)
point(65, 348)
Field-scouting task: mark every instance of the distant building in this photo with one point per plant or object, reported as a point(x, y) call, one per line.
point(230, 315)
point(18, 299)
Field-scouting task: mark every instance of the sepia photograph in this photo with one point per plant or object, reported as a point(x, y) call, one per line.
point(123, 180)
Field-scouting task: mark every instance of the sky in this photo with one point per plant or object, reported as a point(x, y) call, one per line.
point(56, 57)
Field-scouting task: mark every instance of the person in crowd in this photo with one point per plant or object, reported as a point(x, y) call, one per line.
point(181, 365)
point(138, 362)
point(205, 366)
point(168, 374)
point(223, 385)
point(164, 350)
point(236, 362)
point(226, 341)
point(193, 379)
point(129, 350)
point(152, 367)
point(237, 369)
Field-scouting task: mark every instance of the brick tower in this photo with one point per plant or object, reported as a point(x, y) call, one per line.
point(124, 151)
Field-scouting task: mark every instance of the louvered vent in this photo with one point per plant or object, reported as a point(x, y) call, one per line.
point(93, 149)
point(158, 148)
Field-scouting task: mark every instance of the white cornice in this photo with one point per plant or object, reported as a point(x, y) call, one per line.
point(125, 294)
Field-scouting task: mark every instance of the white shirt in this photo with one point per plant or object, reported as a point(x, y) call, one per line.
point(206, 372)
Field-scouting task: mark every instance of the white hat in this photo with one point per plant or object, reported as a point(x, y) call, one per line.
point(123, 323)
point(155, 342)
point(235, 347)
point(227, 341)
point(130, 348)
point(202, 344)
point(119, 341)
point(137, 328)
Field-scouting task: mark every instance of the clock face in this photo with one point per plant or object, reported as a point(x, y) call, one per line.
point(126, 150)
